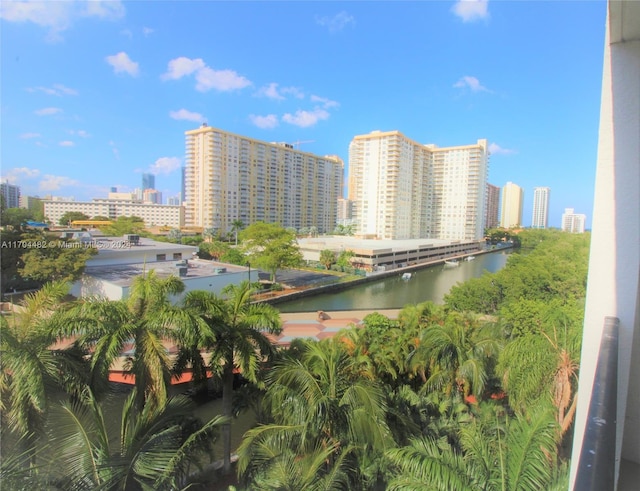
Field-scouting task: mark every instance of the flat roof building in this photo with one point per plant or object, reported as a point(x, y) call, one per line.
point(511, 207)
point(540, 218)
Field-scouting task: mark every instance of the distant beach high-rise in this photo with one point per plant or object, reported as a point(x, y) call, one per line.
point(573, 222)
point(540, 217)
point(511, 209)
point(492, 217)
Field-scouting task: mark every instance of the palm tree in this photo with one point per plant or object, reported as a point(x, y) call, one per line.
point(237, 341)
point(236, 226)
point(456, 352)
point(517, 454)
point(319, 401)
point(157, 447)
point(145, 319)
point(31, 370)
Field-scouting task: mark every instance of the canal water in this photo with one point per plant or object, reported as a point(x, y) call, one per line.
point(393, 292)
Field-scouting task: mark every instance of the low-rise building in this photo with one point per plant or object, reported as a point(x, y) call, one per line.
point(383, 255)
point(110, 273)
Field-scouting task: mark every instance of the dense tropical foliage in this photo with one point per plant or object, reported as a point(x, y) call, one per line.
point(477, 393)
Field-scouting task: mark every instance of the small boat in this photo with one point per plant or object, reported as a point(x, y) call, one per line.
point(452, 262)
point(406, 276)
point(469, 258)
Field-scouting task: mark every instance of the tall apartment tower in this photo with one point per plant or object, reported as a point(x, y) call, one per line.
point(230, 177)
point(403, 189)
point(573, 222)
point(10, 194)
point(540, 217)
point(511, 208)
point(492, 215)
point(148, 181)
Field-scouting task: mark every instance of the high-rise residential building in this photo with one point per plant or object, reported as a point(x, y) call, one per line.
point(148, 181)
point(10, 194)
point(511, 207)
point(231, 177)
point(403, 189)
point(345, 211)
point(492, 215)
point(540, 217)
point(573, 222)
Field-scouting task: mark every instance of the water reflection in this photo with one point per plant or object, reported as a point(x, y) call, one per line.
point(393, 292)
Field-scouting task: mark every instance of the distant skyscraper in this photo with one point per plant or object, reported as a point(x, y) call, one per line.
point(11, 194)
point(540, 217)
point(511, 209)
point(573, 222)
point(148, 181)
point(492, 217)
point(113, 189)
point(182, 185)
point(403, 189)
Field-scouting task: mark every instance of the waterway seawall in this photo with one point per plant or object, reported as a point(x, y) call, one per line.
point(337, 287)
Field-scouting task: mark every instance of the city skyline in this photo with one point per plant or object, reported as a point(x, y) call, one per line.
point(96, 94)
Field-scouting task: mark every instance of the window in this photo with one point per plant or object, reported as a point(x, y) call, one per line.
point(161, 257)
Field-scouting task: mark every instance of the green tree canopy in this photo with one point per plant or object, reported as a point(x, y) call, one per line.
point(327, 258)
point(270, 247)
point(125, 225)
point(70, 216)
point(61, 260)
point(16, 217)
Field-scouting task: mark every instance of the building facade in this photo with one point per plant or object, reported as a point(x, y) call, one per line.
point(492, 216)
point(10, 194)
point(511, 206)
point(403, 189)
point(540, 218)
point(148, 181)
point(231, 177)
point(573, 222)
point(152, 214)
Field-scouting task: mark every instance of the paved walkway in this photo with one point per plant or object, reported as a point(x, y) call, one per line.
point(338, 314)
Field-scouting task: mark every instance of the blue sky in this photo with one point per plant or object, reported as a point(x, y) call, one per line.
point(95, 93)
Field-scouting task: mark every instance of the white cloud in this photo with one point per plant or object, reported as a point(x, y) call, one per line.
point(27, 136)
point(122, 63)
point(496, 149)
point(59, 16)
point(294, 91)
point(206, 77)
point(50, 182)
point(179, 67)
point(165, 165)
point(337, 22)
point(20, 174)
point(265, 122)
point(271, 91)
point(48, 111)
point(471, 83)
point(183, 114)
point(57, 90)
point(147, 31)
point(305, 119)
point(222, 80)
point(66, 143)
point(471, 10)
point(326, 103)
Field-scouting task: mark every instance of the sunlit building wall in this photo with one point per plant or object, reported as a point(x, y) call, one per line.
point(231, 177)
point(573, 222)
point(540, 218)
point(403, 189)
point(511, 206)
